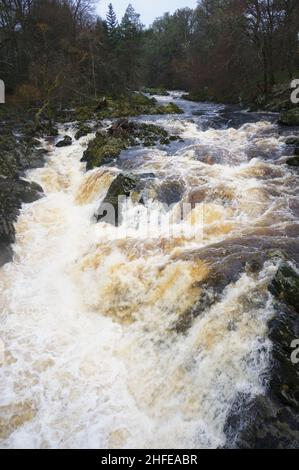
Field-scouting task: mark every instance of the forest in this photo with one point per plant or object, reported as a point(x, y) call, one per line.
point(57, 52)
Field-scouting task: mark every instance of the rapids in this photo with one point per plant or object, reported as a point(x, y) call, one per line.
point(123, 337)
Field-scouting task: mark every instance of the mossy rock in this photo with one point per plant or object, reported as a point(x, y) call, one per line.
point(170, 108)
point(82, 131)
point(139, 99)
point(132, 104)
point(84, 113)
point(198, 96)
point(289, 118)
point(120, 136)
point(285, 286)
point(102, 150)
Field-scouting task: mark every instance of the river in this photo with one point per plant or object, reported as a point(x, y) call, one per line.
point(117, 338)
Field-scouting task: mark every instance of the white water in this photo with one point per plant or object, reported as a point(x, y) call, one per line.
point(92, 356)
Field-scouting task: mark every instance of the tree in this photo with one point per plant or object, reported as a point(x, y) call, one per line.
point(129, 49)
point(130, 25)
point(111, 21)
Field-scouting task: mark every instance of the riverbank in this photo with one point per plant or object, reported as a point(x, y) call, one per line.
point(278, 100)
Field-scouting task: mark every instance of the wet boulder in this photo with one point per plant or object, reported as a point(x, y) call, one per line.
point(122, 135)
point(13, 193)
point(122, 186)
point(65, 142)
point(170, 108)
point(269, 420)
point(292, 141)
point(122, 128)
point(293, 161)
point(170, 191)
point(289, 118)
point(82, 131)
point(18, 155)
point(285, 286)
point(102, 150)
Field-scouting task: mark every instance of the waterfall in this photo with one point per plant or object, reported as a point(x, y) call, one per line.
point(117, 337)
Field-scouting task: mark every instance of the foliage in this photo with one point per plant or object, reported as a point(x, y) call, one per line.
point(57, 54)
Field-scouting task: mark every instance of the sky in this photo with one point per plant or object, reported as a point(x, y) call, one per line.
point(148, 9)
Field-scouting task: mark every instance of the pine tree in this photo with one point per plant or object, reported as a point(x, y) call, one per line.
point(131, 25)
point(130, 48)
point(111, 21)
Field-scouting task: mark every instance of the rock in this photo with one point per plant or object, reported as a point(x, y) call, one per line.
point(123, 185)
point(289, 118)
point(120, 136)
point(102, 150)
point(82, 131)
point(285, 286)
point(270, 420)
point(13, 193)
point(6, 253)
point(19, 154)
point(122, 128)
point(292, 141)
point(147, 175)
point(293, 161)
point(199, 95)
point(170, 108)
point(296, 152)
point(170, 191)
point(67, 141)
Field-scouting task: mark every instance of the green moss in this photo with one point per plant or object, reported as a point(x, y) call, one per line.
point(82, 131)
point(131, 104)
point(102, 150)
point(120, 136)
point(170, 108)
point(84, 113)
point(202, 95)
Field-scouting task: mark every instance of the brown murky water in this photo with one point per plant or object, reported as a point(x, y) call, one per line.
point(142, 335)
